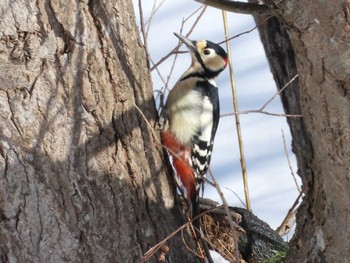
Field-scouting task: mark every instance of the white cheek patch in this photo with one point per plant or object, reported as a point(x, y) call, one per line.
point(214, 62)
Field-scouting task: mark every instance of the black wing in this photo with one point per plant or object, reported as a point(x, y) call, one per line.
point(203, 144)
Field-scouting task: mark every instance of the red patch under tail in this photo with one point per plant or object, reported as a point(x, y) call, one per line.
point(181, 162)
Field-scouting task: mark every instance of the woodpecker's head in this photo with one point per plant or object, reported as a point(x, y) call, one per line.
point(207, 57)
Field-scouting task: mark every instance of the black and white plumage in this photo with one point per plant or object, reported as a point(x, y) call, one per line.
point(191, 115)
point(209, 119)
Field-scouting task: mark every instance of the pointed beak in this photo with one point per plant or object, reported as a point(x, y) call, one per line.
point(189, 43)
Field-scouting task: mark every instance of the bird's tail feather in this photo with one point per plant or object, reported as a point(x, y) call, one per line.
point(195, 212)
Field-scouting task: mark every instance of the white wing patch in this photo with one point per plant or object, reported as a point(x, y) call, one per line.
point(206, 121)
point(212, 82)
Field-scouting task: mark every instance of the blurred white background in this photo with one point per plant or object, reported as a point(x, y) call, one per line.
point(271, 185)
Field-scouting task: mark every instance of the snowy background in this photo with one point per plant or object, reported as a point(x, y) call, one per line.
point(271, 185)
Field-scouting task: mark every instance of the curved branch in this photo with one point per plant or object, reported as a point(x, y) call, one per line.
point(237, 7)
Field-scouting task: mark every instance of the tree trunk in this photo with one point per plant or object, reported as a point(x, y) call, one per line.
point(80, 177)
point(312, 39)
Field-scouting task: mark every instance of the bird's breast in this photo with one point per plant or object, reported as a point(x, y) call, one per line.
point(184, 114)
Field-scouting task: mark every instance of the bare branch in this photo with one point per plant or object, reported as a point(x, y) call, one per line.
point(176, 54)
point(201, 253)
point(154, 10)
point(229, 217)
point(193, 13)
point(288, 221)
point(144, 34)
point(187, 35)
point(156, 247)
point(247, 31)
point(159, 74)
point(279, 92)
point(261, 112)
point(149, 125)
point(237, 7)
point(227, 253)
point(236, 196)
point(290, 166)
point(238, 122)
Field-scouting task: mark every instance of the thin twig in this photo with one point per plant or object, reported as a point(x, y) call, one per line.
point(149, 125)
point(196, 21)
point(157, 246)
point(160, 92)
point(229, 257)
point(165, 57)
point(261, 112)
point(238, 123)
point(229, 217)
point(201, 256)
point(193, 13)
point(236, 196)
point(153, 12)
point(228, 251)
point(144, 34)
point(159, 74)
point(178, 46)
point(174, 61)
point(148, 21)
point(154, 249)
point(278, 93)
point(289, 164)
point(291, 210)
point(246, 32)
point(171, 72)
point(208, 182)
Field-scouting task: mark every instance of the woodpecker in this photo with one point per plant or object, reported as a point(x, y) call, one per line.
point(191, 116)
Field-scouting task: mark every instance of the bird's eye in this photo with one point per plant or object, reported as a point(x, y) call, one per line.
point(206, 52)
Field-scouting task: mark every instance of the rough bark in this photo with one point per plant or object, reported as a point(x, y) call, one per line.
point(312, 39)
point(80, 177)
